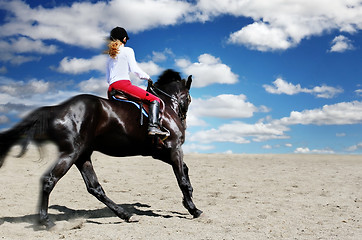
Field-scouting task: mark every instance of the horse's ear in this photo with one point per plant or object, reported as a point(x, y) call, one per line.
point(189, 81)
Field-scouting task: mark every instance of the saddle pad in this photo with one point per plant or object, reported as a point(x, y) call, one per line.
point(134, 103)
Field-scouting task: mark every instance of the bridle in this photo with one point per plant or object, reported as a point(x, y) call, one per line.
point(181, 112)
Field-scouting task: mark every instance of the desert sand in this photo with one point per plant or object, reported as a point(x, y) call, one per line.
point(242, 196)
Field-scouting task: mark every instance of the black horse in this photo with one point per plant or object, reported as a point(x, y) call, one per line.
point(86, 123)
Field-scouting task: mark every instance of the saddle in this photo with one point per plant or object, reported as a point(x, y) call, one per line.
point(118, 95)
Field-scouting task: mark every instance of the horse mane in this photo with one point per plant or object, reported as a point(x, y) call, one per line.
point(168, 76)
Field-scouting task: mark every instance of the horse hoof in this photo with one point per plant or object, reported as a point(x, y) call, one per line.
point(47, 224)
point(197, 213)
point(133, 219)
point(50, 226)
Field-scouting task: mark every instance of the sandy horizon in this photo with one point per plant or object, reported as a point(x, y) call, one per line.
point(243, 196)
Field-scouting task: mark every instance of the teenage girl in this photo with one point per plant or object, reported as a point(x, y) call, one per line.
point(120, 63)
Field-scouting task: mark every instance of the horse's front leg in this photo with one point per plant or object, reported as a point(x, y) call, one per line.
point(94, 188)
point(181, 172)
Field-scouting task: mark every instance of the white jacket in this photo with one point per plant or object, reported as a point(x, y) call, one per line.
point(124, 63)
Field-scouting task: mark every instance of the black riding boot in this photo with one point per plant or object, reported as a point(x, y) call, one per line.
point(154, 123)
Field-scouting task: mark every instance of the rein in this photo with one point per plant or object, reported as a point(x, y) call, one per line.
point(152, 89)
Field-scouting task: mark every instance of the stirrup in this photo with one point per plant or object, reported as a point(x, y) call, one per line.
point(153, 131)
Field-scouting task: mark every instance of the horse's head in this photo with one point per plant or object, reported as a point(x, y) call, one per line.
point(170, 82)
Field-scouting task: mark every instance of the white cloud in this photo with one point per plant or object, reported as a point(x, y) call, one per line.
point(224, 106)
point(281, 86)
point(336, 114)
point(267, 146)
point(22, 89)
point(278, 24)
point(281, 24)
point(18, 59)
point(358, 92)
point(12, 50)
point(3, 119)
point(151, 68)
point(341, 44)
point(228, 152)
point(150, 13)
point(262, 37)
point(158, 56)
point(82, 65)
point(302, 150)
point(36, 86)
point(37, 99)
point(3, 70)
point(239, 132)
point(324, 91)
point(161, 56)
point(22, 106)
point(194, 120)
point(94, 85)
point(355, 147)
point(341, 134)
point(196, 148)
point(98, 63)
point(217, 135)
point(19, 97)
point(86, 24)
point(208, 70)
point(27, 45)
point(313, 151)
point(221, 106)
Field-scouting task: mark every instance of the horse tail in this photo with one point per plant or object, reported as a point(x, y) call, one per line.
point(34, 126)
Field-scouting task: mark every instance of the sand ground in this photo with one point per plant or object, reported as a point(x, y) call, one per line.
point(242, 196)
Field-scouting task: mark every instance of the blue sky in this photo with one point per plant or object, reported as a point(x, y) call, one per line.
point(274, 76)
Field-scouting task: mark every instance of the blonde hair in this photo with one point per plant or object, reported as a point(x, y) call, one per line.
point(113, 48)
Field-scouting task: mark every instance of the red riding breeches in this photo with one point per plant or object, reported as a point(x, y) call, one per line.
point(127, 87)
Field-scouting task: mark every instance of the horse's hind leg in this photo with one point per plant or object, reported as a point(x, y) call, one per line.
point(49, 181)
point(94, 188)
point(181, 172)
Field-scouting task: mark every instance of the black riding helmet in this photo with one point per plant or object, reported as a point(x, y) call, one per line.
point(118, 33)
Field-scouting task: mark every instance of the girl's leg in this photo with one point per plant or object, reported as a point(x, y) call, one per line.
point(154, 123)
point(127, 87)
